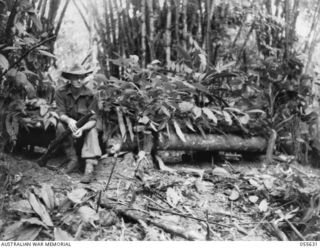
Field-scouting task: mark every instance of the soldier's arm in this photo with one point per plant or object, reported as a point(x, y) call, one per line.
point(61, 110)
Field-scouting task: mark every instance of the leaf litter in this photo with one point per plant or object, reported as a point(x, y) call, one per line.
point(248, 203)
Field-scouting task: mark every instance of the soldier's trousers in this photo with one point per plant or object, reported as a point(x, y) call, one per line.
point(89, 141)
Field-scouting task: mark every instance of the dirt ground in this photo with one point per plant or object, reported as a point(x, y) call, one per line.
point(194, 201)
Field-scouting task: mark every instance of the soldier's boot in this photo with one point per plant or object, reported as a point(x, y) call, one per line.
point(73, 164)
point(88, 174)
point(68, 149)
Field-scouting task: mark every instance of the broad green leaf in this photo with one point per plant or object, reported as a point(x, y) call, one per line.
point(189, 125)
point(178, 131)
point(165, 111)
point(244, 119)
point(34, 221)
point(210, 115)
point(40, 209)
point(45, 53)
point(144, 120)
point(29, 232)
point(61, 235)
point(22, 206)
point(234, 110)
point(4, 63)
point(256, 111)
point(121, 124)
point(36, 21)
point(129, 125)
point(185, 106)
point(218, 112)
point(47, 196)
point(227, 117)
point(12, 231)
point(196, 111)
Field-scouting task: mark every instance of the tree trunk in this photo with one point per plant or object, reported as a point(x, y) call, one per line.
point(315, 21)
point(61, 17)
point(185, 25)
point(168, 34)
point(200, 22)
point(112, 23)
point(176, 21)
point(143, 33)
point(43, 8)
point(210, 9)
point(53, 10)
point(82, 16)
point(151, 29)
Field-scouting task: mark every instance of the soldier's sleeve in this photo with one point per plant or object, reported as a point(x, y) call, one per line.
point(61, 108)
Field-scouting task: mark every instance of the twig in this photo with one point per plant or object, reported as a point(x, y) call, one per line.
point(79, 231)
point(260, 222)
point(295, 230)
point(186, 216)
point(148, 198)
point(240, 229)
point(109, 179)
point(123, 228)
point(27, 52)
point(281, 235)
point(160, 198)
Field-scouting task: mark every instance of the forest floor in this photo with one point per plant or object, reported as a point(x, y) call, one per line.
point(194, 201)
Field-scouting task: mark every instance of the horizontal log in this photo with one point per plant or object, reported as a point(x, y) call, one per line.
point(213, 142)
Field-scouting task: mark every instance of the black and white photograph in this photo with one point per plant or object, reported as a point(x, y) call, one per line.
point(159, 120)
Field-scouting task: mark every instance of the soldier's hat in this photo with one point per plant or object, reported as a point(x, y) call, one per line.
point(76, 71)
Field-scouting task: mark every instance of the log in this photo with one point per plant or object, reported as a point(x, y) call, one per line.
point(212, 142)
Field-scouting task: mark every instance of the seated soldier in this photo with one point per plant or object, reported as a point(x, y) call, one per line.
point(75, 100)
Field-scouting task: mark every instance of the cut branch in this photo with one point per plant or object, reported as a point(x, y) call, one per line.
point(214, 143)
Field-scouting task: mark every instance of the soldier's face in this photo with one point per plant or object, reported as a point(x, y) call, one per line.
point(77, 82)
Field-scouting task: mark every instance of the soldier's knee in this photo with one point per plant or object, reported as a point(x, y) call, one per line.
point(60, 128)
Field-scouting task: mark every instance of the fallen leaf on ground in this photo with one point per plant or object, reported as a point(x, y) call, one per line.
point(47, 196)
point(254, 183)
point(29, 233)
point(234, 195)
point(11, 232)
point(174, 196)
point(107, 218)
point(263, 206)
point(268, 183)
point(88, 215)
point(40, 209)
point(200, 187)
point(34, 221)
point(76, 195)
point(221, 172)
point(20, 206)
point(61, 235)
point(253, 198)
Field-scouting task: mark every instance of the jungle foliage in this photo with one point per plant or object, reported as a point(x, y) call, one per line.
point(204, 67)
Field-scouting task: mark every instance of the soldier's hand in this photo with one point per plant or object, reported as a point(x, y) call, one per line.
point(78, 133)
point(72, 125)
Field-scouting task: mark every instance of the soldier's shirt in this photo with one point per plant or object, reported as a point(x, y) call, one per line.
point(75, 106)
